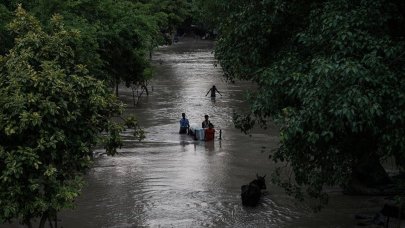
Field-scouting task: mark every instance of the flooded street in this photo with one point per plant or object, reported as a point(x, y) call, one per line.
point(170, 180)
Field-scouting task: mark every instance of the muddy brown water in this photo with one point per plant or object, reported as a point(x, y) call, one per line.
point(170, 180)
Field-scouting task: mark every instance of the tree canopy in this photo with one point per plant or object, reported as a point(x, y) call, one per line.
point(331, 73)
point(56, 104)
point(116, 36)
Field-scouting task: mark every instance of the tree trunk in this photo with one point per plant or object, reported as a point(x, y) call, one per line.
point(116, 87)
point(368, 177)
point(43, 220)
point(29, 224)
point(370, 172)
point(145, 87)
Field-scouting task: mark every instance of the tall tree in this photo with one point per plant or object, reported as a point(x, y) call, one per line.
point(52, 114)
point(332, 74)
point(5, 38)
point(116, 36)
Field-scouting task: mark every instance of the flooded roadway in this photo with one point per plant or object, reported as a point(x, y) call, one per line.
point(170, 180)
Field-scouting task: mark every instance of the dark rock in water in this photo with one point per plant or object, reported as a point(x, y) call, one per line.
point(251, 193)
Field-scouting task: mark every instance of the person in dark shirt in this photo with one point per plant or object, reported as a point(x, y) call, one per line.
point(213, 90)
point(184, 124)
point(206, 122)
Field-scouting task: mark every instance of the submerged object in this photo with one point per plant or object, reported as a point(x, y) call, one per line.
point(199, 134)
point(202, 134)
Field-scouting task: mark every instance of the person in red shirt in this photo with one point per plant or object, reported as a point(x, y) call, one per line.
point(209, 132)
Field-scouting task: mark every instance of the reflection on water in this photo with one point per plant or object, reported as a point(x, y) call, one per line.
point(170, 180)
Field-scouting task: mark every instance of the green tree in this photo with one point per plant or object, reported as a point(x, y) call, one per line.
point(52, 114)
point(332, 75)
point(176, 12)
point(125, 41)
point(85, 48)
point(5, 39)
point(116, 37)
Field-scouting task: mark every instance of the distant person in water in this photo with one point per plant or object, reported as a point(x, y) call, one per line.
point(213, 90)
point(184, 124)
point(206, 122)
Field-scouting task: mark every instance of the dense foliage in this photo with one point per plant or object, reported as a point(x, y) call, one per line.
point(52, 113)
point(55, 100)
point(116, 36)
point(331, 73)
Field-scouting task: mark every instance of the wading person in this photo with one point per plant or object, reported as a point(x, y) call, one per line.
point(209, 132)
point(206, 122)
point(184, 124)
point(213, 90)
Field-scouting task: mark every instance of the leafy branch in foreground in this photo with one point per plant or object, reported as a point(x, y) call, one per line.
point(52, 114)
point(332, 75)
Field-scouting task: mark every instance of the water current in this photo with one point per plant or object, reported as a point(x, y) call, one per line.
point(170, 180)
